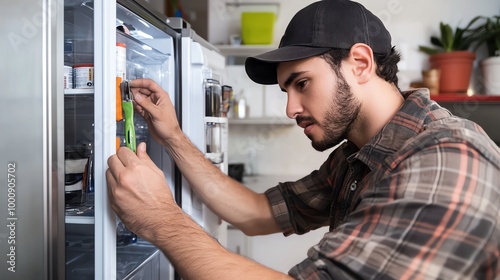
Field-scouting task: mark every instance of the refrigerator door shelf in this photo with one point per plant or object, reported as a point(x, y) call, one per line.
point(139, 51)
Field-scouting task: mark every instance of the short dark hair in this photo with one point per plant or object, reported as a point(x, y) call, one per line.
point(387, 64)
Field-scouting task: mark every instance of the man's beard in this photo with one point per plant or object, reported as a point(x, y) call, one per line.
point(340, 118)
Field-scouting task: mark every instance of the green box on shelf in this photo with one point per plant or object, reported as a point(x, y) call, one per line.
point(257, 28)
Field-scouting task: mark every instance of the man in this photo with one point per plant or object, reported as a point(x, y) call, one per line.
point(412, 193)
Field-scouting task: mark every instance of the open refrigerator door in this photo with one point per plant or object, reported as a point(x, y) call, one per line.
point(105, 45)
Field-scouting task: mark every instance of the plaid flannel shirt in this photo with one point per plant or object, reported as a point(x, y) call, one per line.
point(420, 201)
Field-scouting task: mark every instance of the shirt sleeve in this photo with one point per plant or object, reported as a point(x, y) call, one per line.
point(435, 215)
point(303, 205)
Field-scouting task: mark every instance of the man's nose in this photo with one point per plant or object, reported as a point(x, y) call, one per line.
point(293, 106)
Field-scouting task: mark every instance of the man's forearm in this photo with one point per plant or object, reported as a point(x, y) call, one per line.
point(196, 255)
point(232, 201)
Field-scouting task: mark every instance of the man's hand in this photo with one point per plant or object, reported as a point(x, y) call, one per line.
point(142, 199)
point(138, 191)
point(155, 106)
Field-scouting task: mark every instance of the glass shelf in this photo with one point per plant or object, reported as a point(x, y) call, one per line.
point(80, 220)
point(78, 91)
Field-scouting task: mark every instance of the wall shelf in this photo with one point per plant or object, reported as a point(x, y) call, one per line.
point(237, 4)
point(274, 5)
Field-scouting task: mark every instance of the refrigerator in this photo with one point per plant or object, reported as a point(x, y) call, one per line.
point(63, 116)
point(204, 107)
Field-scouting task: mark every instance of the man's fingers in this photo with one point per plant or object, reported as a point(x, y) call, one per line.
point(141, 153)
point(146, 104)
point(114, 164)
point(148, 84)
point(125, 156)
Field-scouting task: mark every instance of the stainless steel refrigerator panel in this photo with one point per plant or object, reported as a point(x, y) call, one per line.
point(31, 235)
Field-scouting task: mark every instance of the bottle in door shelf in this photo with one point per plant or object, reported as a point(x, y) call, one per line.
point(121, 60)
point(213, 140)
point(241, 107)
point(227, 101)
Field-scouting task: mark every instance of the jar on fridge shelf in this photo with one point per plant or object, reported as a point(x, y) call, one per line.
point(84, 75)
point(68, 77)
point(213, 98)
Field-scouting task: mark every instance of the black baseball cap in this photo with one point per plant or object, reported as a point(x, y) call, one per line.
point(318, 28)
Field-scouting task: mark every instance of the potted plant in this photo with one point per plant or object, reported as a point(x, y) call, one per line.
point(488, 33)
point(451, 55)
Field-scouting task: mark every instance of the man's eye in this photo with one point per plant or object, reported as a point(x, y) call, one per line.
point(301, 84)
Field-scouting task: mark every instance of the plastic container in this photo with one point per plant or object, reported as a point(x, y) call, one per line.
point(68, 77)
point(84, 75)
point(491, 75)
point(213, 140)
point(257, 28)
point(213, 98)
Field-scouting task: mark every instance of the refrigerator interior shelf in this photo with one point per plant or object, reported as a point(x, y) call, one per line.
point(215, 120)
point(81, 220)
point(78, 91)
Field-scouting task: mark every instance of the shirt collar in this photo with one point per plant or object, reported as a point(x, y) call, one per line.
point(417, 110)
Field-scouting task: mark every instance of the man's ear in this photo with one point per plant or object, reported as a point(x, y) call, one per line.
point(362, 61)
